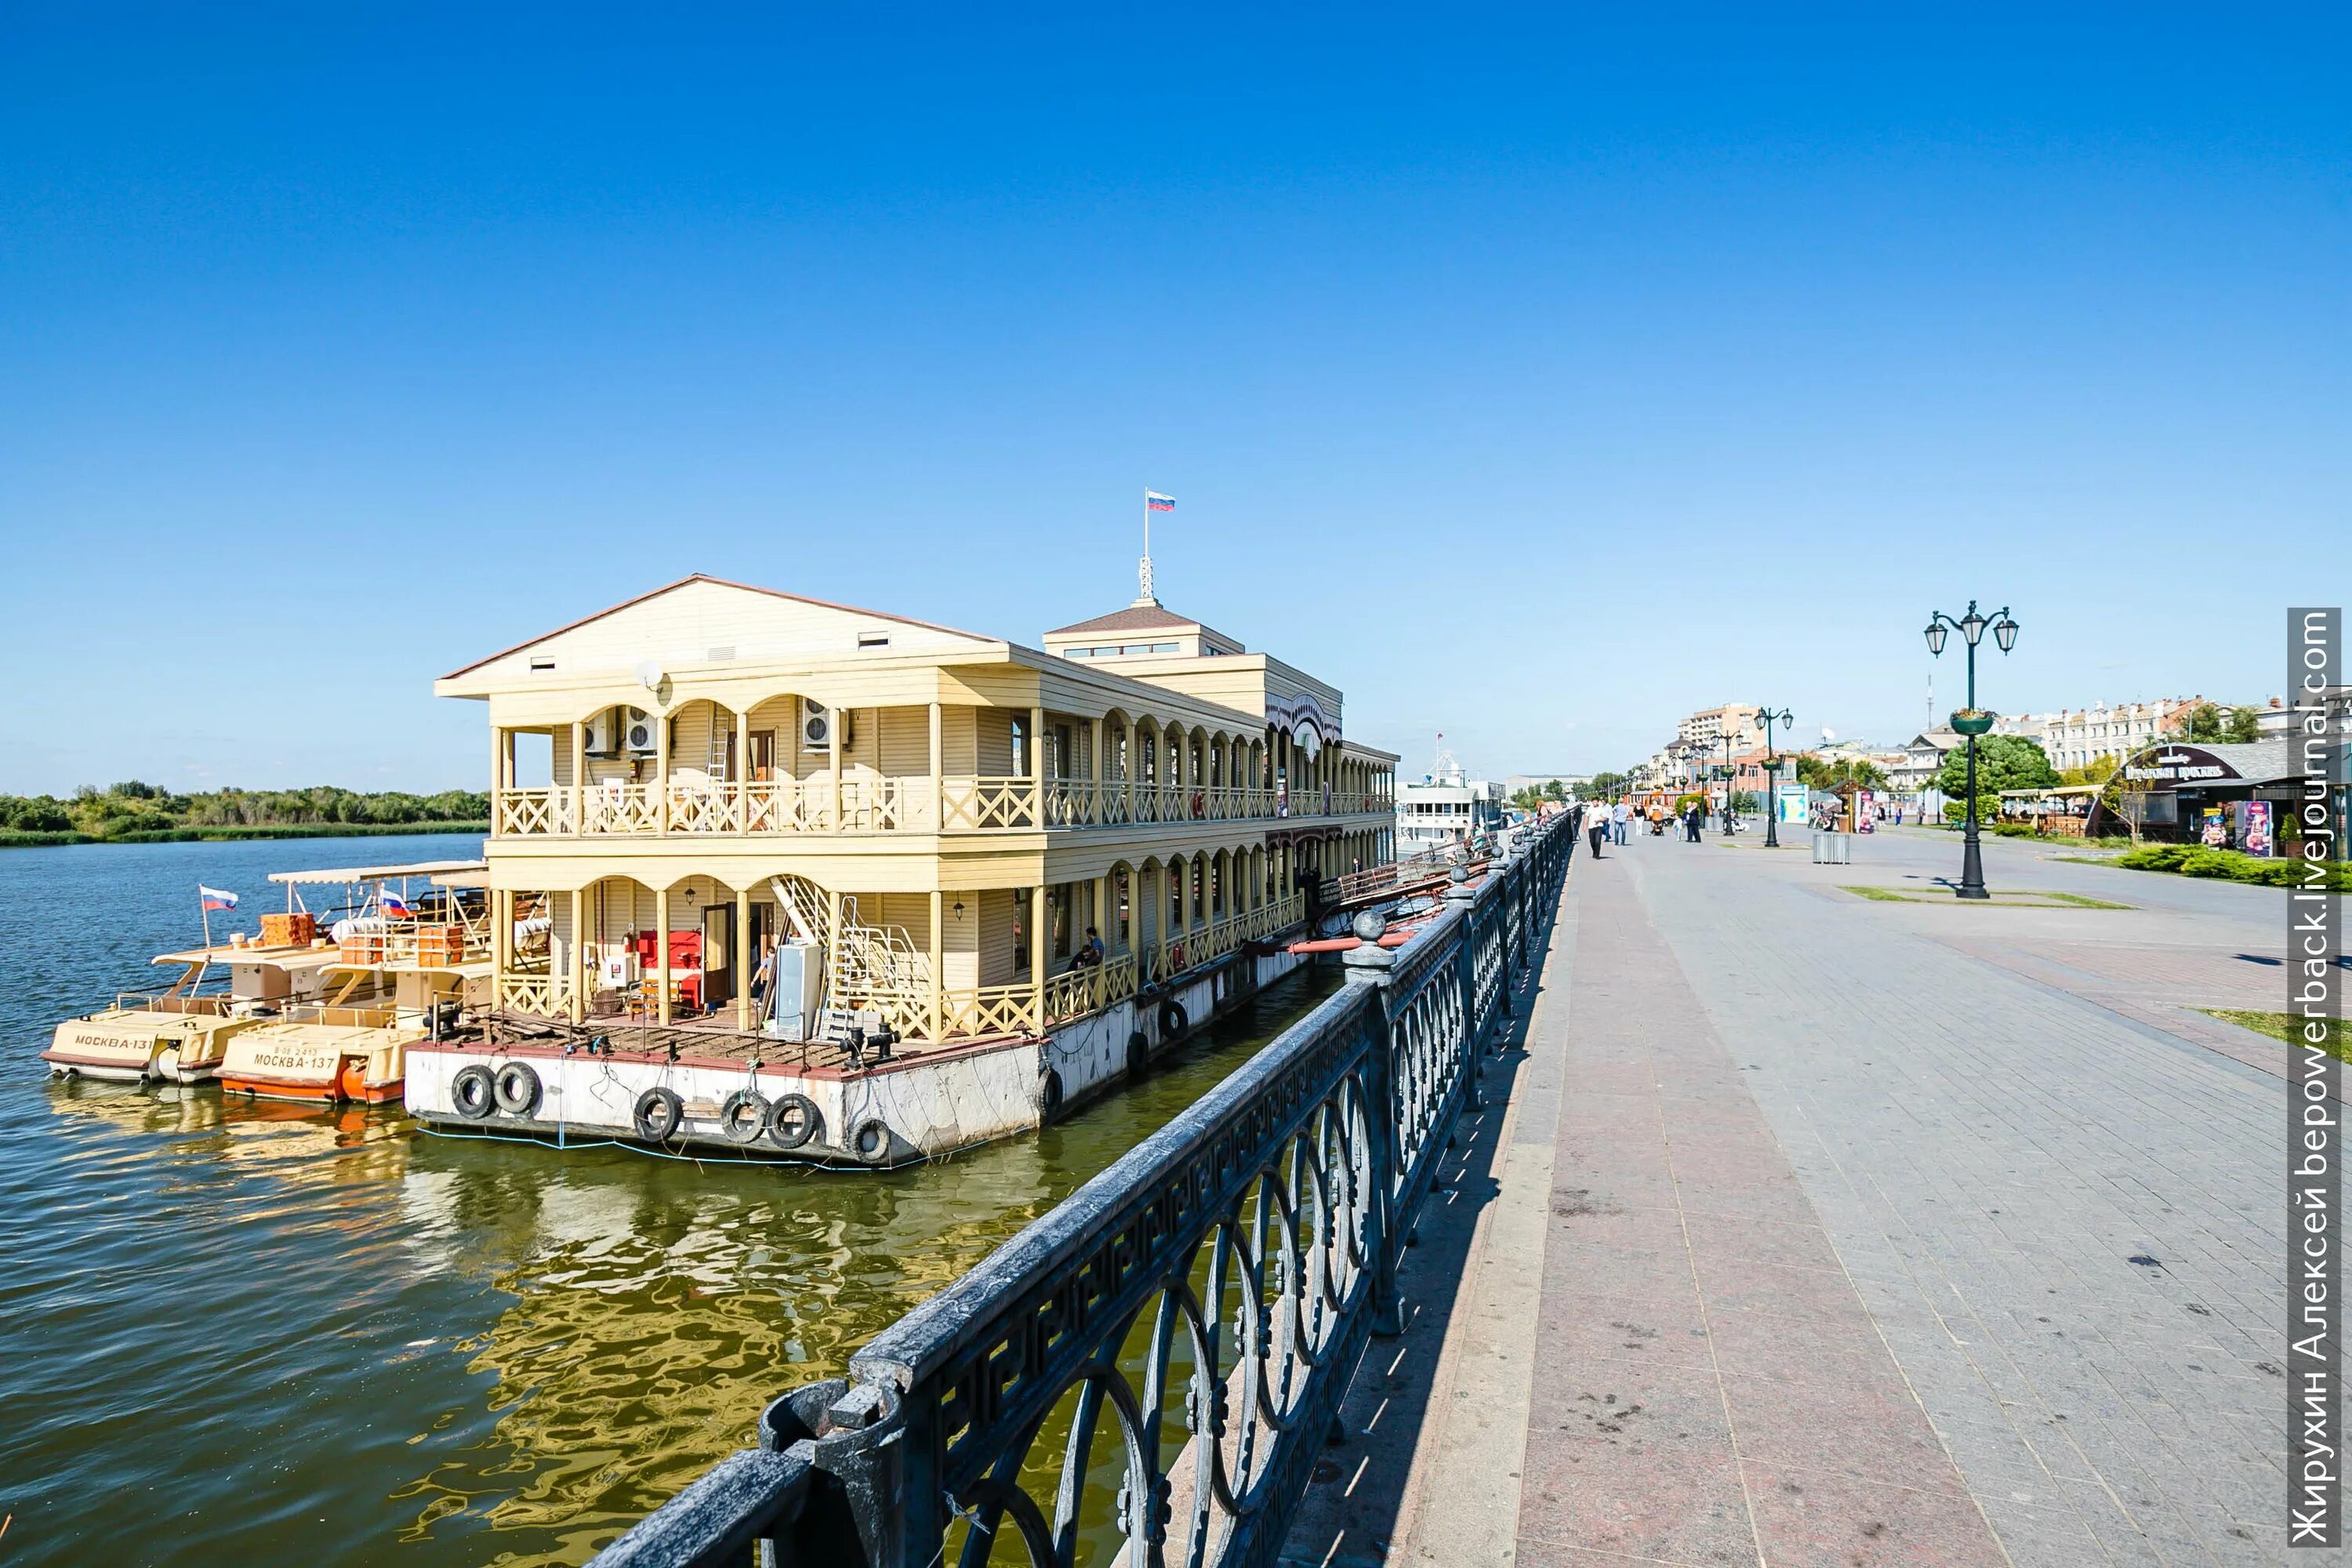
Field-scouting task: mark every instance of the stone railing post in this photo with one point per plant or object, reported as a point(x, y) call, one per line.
point(1463, 899)
point(1370, 965)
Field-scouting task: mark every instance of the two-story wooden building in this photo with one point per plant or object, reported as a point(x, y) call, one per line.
point(761, 808)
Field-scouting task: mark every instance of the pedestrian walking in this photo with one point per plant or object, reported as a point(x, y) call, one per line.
point(1692, 819)
point(1619, 816)
point(1599, 817)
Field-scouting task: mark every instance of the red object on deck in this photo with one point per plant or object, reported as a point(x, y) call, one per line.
point(685, 964)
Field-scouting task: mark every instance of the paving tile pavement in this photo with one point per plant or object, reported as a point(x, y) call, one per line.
point(1710, 1386)
point(2060, 1226)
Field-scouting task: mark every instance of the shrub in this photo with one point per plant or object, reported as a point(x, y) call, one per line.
point(2228, 865)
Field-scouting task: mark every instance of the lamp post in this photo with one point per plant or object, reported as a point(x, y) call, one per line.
point(1771, 766)
point(1726, 773)
point(1971, 721)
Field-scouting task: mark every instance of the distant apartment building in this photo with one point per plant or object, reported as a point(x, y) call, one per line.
point(2076, 737)
point(1743, 722)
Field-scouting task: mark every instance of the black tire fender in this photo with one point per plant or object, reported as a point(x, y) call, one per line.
point(743, 1116)
point(792, 1120)
point(473, 1093)
point(1173, 1019)
point(1139, 1054)
point(1049, 1091)
point(516, 1089)
point(659, 1114)
point(869, 1144)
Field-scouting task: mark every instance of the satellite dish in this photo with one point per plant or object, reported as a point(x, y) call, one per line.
point(650, 674)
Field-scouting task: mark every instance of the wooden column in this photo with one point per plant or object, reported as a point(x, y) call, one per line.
point(1037, 955)
point(939, 825)
point(1101, 912)
point(938, 923)
point(833, 718)
point(579, 770)
point(1094, 767)
point(744, 958)
point(575, 1006)
point(743, 750)
point(661, 797)
point(661, 954)
point(501, 942)
point(1037, 769)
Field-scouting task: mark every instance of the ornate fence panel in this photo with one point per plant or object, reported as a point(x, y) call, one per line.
point(1226, 1275)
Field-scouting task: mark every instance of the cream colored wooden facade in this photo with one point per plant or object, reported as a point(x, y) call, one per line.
point(982, 806)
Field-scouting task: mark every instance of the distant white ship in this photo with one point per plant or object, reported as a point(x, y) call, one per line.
point(1445, 808)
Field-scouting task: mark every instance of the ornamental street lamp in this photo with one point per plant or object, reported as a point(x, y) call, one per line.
point(1772, 768)
point(1728, 772)
point(1972, 722)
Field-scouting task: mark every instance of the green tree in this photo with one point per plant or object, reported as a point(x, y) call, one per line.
point(2004, 762)
point(1816, 773)
point(2209, 723)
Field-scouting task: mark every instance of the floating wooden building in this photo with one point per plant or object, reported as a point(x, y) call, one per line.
point(841, 883)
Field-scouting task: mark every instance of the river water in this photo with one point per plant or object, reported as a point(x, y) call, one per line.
point(267, 1335)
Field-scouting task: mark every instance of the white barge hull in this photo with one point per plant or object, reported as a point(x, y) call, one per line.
point(895, 1113)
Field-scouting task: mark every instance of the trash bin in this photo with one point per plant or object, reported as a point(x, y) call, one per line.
point(1833, 848)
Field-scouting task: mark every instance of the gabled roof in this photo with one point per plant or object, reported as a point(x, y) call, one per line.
point(716, 582)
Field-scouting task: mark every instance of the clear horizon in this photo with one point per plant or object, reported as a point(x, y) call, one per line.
point(1534, 379)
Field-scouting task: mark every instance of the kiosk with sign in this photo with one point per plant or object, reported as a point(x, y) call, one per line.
point(2204, 794)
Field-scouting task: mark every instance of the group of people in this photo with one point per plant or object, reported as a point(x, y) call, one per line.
point(1614, 824)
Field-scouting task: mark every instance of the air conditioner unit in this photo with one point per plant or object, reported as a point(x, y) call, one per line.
point(816, 727)
point(637, 733)
point(602, 737)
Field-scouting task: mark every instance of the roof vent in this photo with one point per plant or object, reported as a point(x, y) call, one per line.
point(721, 654)
point(538, 664)
point(874, 639)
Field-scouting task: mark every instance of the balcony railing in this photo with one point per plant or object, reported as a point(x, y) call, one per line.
point(1292, 1187)
point(1182, 951)
point(893, 805)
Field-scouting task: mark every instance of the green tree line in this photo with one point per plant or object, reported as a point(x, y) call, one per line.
point(135, 808)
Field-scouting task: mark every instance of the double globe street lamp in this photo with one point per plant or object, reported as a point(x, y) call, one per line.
point(1971, 721)
point(1771, 777)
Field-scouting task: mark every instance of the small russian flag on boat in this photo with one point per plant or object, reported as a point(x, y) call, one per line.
point(391, 905)
point(1157, 502)
point(214, 899)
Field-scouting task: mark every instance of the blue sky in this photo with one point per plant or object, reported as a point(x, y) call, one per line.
point(1536, 377)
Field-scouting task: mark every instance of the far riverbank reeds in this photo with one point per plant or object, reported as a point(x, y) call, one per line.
point(11, 838)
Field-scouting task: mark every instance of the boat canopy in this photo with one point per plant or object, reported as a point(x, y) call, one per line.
point(347, 875)
point(287, 958)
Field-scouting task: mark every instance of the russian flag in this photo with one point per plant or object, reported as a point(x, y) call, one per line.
point(391, 905)
point(1155, 501)
point(214, 899)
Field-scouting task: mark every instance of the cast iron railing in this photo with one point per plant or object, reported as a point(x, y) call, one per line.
point(1225, 1276)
